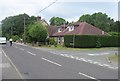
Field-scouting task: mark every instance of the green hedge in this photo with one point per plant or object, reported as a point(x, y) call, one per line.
point(109, 41)
point(90, 41)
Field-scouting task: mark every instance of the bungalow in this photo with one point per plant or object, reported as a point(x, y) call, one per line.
point(77, 28)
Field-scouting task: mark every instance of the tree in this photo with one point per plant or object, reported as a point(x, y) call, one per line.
point(37, 32)
point(99, 20)
point(14, 25)
point(57, 21)
point(86, 18)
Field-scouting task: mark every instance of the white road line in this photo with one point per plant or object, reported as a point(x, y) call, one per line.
point(72, 57)
point(62, 54)
point(66, 55)
point(21, 49)
point(51, 61)
point(95, 62)
point(88, 76)
point(100, 64)
point(106, 65)
point(5, 65)
point(31, 53)
point(13, 65)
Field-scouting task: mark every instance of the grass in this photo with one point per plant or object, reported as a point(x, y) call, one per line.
point(114, 57)
point(60, 47)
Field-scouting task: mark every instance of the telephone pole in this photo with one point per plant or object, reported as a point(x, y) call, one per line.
point(24, 30)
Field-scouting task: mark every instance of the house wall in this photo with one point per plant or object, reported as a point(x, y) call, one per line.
point(59, 40)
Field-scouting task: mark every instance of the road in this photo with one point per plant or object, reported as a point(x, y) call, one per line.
point(32, 63)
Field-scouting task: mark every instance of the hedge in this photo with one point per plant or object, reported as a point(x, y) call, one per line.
point(90, 41)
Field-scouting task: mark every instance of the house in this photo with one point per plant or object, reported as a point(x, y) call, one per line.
point(76, 28)
point(42, 21)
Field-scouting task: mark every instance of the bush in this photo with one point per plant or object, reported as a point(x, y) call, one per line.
point(98, 44)
point(37, 32)
point(91, 41)
point(51, 41)
point(109, 41)
point(15, 38)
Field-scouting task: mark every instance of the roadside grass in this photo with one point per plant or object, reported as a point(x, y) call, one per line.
point(114, 57)
point(61, 47)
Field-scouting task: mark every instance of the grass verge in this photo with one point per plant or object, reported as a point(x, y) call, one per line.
point(114, 57)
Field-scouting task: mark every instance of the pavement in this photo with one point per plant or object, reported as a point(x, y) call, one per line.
point(7, 70)
point(41, 63)
point(98, 56)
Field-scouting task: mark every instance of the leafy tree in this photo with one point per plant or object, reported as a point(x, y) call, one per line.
point(100, 20)
point(57, 21)
point(14, 25)
point(85, 18)
point(37, 32)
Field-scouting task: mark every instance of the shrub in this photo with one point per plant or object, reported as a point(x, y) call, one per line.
point(15, 38)
point(91, 41)
point(51, 41)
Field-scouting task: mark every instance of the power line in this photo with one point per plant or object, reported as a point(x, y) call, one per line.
point(46, 7)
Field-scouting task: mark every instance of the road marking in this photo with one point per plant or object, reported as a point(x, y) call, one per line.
point(13, 65)
point(62, 54)
point(95, 62)
point(89, 61)
point(72, 56)
point(31, 53)
point(106, 65)
point(88, 76)
point(4, 65)
point(95, 54)
point(100, 64)
point(51, 61)
point(66, 55)
point(21, 49)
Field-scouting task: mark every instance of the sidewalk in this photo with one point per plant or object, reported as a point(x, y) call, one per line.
point(8, 71)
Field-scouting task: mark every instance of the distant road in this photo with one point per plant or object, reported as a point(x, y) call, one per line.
point(38, 64)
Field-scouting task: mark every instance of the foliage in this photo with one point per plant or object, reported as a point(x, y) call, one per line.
point(57, 21)
point(98, 44)
point(51, 41)
point(101, 21)
point(14, 25)
point(114, 33)
point(15, 38)
point(91, 41)
point(37, 32)
point(109, 41)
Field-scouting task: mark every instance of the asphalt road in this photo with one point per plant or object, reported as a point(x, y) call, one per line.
point(32, 63)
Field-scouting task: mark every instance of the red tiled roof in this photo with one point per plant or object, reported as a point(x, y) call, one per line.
point(51, 30)
point(82, 29)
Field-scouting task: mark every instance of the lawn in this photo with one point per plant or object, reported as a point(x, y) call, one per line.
point(114, 57)
point(60, 47)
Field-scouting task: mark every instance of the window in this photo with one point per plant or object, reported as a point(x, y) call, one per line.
point(59, 29)
point(71, 28)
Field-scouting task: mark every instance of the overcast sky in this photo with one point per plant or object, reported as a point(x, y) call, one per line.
point(70, 10)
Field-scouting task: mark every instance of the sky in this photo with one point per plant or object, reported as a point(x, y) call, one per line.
point(70, 10)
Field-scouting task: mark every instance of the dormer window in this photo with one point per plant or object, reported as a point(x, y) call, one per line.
point(59, 30)
point(71, 28)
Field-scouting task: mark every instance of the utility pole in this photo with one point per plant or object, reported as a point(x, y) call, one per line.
point(73, 40)
point(12, 30)
point(24, 30)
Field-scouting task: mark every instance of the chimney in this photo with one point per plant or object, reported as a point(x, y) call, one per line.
point(103, 32)
point(38, 18)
